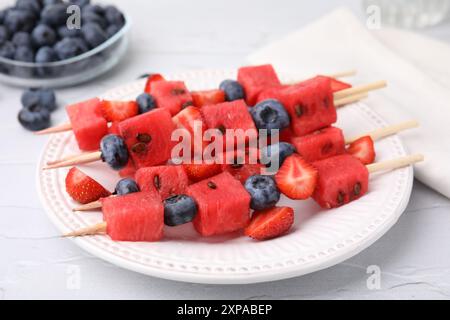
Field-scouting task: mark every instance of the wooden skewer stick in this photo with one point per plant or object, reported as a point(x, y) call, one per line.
point(76, 160)
point(395, 163)
point(360, 89)
point(59, 128)
point(72, 156)
point(350, 99)
point(376, 135)
point(398, 163)
point(99, 228)
point(89, 206)
point(342, 74)
point(381, 133)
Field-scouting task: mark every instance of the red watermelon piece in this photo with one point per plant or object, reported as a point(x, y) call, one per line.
point(171, 95)
point(342, 179)
point(134, 217)
point(241, 164)
point(148, 137)
point(321, 144)
point(150, 79)
point(311, 107)
point(337, 85)
point(204, 98)
point(88, 124)
point(255, 79)
point(128, 171)
point(229, 115)
point(166, 180)
point(223, 205)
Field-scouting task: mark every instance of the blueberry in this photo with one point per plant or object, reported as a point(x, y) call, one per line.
point(44, 98)
point(25, 54)
point(80, 3)
point(179, 209)
point(114, 16)
point(45, 55)
point(68, 48)
point(4, 34)
point(126, 186)
point(7, 50)
point(22, 39)
point(112, 30)
point(280, 150)
point(19, 20)
point(84, 47)
point(93, 8)
point(65, 32)
point(270, 114)
point(93, 34)
point(54, 14)
point(263, 191)
point(43, 35)
point(114, 151)
point(146, 102)
point(2, 15)
point(92, 17)
point(51, 2)
point(233, 90)
point(34, 118)
point(30, 5)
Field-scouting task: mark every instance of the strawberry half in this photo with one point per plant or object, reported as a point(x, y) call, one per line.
point(116, 111)
point(203, 98)
point(152, 78)
point(363, 149)
point(296, 178)
point(83, 188)
point(199, 172)
point(271, 223)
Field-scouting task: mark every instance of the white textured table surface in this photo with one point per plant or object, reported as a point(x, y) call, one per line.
point(174, 35)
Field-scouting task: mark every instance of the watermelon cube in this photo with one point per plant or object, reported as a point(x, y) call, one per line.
point(230, 115)
point(321, 144)
point(134, 217)
point(204, 98)
point(341, 179)
point(223, 205)
point(148, 137)
point(129, 170)
point(256, 79)
point(242, 164)
point(88, 124)
point(310, 106)
point(171, 95)
point(165, 180)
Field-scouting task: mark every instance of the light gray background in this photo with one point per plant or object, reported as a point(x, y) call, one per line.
point(176, 35)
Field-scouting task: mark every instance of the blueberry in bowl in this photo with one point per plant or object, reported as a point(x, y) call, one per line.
point(45, 44)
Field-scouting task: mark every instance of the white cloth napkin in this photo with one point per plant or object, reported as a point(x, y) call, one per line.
point(339, 41)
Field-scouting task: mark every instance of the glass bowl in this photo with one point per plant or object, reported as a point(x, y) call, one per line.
point(67, 72)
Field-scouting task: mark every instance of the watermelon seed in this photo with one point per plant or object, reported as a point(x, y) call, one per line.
point(222, 129)
point(212, 185)
point(237, 166)
point(299, 110)
point(357, 189)
point(187, 104)
point(178, 91)
point(157, 182)
point(143, 137)
point(326, 102)
point(340, 198)
point(327, 147)
point(139, 147)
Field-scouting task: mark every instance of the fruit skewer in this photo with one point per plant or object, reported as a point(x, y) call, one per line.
point(97, 155)
point(87, 157)
point(342, 98)
point(102, 228)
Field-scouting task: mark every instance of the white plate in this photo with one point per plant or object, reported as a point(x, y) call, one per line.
point(318, 240)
